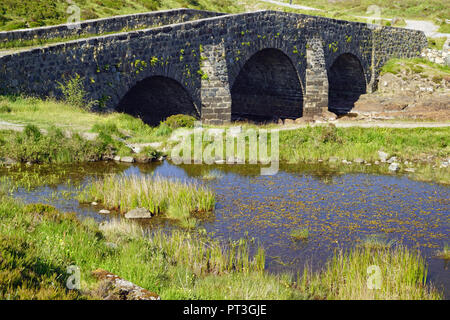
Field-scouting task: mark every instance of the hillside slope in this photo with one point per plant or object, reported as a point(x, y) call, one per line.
point(17, 14)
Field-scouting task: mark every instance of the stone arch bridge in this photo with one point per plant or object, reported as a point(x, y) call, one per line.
point(261, 65)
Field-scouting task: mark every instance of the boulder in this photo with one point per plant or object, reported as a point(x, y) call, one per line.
point(127, 159)
point(394, 167)
point(115, 288)
point(289, 121)
point(138, 213)
point(383, 156)
point(392, 160)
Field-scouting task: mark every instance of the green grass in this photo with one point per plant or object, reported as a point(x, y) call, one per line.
point(38, 243)
point(16, 14)
point(423, 67)
point(32, 145)
point(444, 253)
point(160, 196)
point(444, 28)
point(376, 241)
point(436, 43)
point(402, 273)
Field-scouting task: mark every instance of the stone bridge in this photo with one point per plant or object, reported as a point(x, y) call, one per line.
point(260, 66)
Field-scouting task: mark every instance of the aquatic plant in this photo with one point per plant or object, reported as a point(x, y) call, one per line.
point(444, 253)
point(158, 195)
point(300, 234)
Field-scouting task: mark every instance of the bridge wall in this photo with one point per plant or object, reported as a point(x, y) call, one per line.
point(206, 57)
point(106, 25)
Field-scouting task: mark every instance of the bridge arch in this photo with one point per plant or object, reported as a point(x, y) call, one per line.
point(346, 83)
point(267, 88)
point(155, 98)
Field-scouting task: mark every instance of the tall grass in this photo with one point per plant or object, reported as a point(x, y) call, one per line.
point(155, 194)
point(38, 243)
point(402, 272)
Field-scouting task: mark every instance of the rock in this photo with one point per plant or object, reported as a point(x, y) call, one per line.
point(127, 159)
point(7, 161)
point(116, 158)
point(104, 211)
point(220, 161)
point(116, 288)
point(289, 121)
point(394, 166)
point(138, 213)
point(333, 159)
point(410, 170)
point(107, 157)
point(346, 162)
point(359, 160)
point(94, 203)
point(444, 164)
point(162, 158)
point(377, 162)
point(383, 156)
point(392, 160)
point(280, 121)
point(330, 116)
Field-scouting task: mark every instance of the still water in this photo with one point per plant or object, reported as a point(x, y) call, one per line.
point(339, 209)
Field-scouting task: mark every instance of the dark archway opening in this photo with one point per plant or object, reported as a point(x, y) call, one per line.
point(267, 88)
point(156, 98)
point(346, 84)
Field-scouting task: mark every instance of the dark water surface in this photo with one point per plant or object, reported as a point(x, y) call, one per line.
point(340, 210)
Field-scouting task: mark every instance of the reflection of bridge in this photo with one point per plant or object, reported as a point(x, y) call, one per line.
point(259, 65)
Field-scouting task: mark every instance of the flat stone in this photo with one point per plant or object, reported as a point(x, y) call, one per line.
point(138, 213)
point(7, 161)
point(333, 159)
point(116, 158)
point(359, 160)
point(392, 160)
point(410, 170)
point(94, 203)
point(127, 159)
point(104, 211)
point(394, 166)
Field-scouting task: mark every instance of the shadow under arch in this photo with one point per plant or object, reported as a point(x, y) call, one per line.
point(267, 88)
point(155, 98)
point(347, 83)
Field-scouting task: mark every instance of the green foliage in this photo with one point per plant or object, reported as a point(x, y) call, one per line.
point(415, 66)
point(16, 14)
point(436, 43)
point(444, 27)
point(163, 130)
point(180, 121)
point(74, 92)
point(54, 147)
